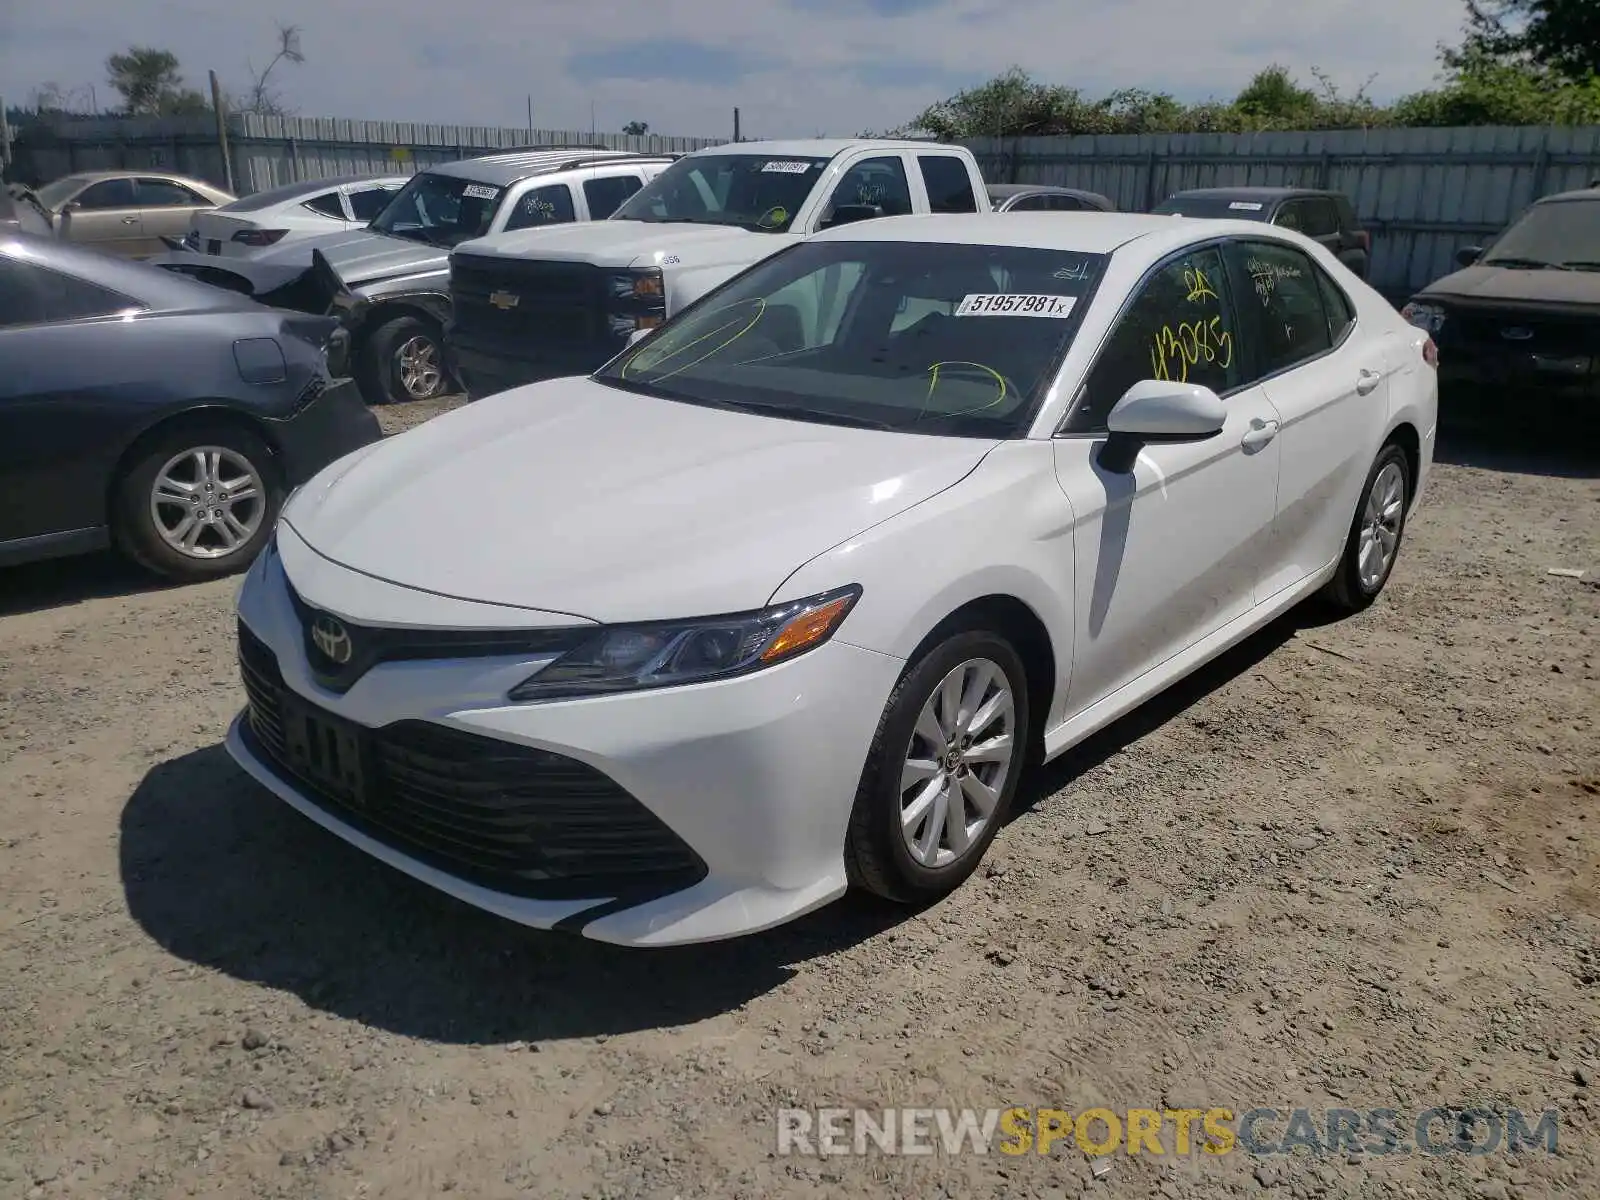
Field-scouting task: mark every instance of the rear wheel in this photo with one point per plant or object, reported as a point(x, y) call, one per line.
point(404, 360)
point(197, 502)
point(1375, 533)
point(942, 770)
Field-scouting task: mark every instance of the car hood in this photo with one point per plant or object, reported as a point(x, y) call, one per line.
point(1485, 285)
point(361, 256)
point(575, 497)
point(614, 243)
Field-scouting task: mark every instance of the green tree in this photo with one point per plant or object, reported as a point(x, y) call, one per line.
point(150, 83)
point(1274, 95)
point(1561, 36)
point(636, 128)
point(262, 98)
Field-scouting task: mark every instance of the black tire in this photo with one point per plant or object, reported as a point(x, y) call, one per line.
point(877, 857)
point(1346, 592)
point(382, 377)
point(134, 524)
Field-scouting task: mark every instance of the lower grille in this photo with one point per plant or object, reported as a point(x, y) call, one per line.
point(510, 818)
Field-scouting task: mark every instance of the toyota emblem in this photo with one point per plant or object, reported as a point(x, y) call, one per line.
point(504, 300)
point(332, 639)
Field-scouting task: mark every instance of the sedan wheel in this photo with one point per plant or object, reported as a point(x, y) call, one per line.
point(961, 752)
point(942, 770)
point(197, 502)
point(417, 365)
point(207, 502)
point(1375, 535)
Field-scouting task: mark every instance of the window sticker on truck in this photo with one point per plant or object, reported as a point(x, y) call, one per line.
point(784, 167)
point(1245, 206)
point(479, 191)
point(999, 304)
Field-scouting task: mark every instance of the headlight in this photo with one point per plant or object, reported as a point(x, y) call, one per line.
point(643, 284)
point(1424, 316)
point(625, 658)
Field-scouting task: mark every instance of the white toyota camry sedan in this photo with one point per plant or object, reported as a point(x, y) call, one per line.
point(781, 600)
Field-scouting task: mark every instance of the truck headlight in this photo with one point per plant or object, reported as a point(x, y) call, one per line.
point(1424, 315)
point(645, 283)
point(626, 658)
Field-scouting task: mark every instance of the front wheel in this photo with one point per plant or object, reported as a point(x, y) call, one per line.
point(198, 502)
point(1375, 533)
point(404, 360)
point(942, 770)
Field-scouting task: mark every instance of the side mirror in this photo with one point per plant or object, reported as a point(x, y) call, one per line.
point(636, 335)
point(1158, 410)
point(72, 206)
point(848, 214)
point(1468, 255)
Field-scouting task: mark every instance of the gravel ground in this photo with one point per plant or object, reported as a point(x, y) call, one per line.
point(1349, 865)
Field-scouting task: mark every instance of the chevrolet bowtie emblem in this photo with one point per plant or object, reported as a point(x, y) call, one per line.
point(504, 300)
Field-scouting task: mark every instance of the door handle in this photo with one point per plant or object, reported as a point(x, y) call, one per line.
point(1367, 381)
point(130, 220)
point(1259, 434)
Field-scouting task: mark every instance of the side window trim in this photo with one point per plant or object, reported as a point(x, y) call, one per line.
point(1264, 376)
point(1134, 292)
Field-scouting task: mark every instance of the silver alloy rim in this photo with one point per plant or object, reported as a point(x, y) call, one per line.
point(1380, 526)
point(956, 765)
point(207, 502)
point(419, 367)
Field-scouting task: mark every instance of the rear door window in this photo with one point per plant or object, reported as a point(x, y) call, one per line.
point(949, 186)
point(1320, 218)
point(108, 193)
point(369, 202)
point(327, 205)
point(604, 196)
point(163, 193)
point(1281, 297)
point(34, 295)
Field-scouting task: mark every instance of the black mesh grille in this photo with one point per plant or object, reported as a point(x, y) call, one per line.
point(556, 303)
point(512, 818)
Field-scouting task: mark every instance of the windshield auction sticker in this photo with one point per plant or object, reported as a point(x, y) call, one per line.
point(999, 304)
point(784, 167)
point(480, 191)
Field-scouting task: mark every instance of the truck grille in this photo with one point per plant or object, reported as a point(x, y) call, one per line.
point(555, 303)
point(511, 818)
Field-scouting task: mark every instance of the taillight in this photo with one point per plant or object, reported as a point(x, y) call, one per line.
point(1430, 353)
point(259, 237)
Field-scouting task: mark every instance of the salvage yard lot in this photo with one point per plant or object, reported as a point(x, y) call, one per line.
point(1348, 865)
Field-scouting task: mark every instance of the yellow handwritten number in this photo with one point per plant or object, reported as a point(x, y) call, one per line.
point(1190, 343)
point(1199, 286)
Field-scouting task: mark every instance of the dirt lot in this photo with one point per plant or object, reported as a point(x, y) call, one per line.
point(1350, 865)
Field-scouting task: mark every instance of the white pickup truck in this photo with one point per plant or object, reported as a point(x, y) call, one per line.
point(540, 303)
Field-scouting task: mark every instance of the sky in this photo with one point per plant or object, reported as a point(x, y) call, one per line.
point(795, 68)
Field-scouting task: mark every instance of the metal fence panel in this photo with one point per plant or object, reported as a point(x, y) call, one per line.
point(1424, 193)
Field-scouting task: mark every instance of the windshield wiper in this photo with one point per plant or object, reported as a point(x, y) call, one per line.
point(1520, 264)
point(1581, 264)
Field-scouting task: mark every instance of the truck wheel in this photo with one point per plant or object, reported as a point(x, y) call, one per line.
point(403, 359)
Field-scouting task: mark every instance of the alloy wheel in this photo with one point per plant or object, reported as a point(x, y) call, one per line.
point(1380, 526)
point(418, 361)
point(207, 502)
point(962, 749)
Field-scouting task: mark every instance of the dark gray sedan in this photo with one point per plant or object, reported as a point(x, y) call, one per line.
point(1045, 197)
point(162, 416)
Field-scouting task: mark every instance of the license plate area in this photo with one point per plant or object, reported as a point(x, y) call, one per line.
point(328, 754)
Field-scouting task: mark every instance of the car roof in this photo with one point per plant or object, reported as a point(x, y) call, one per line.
point(512, 165)
point(1017, 189)
point(298, 191)
point(1592, 192)
point(1084, 233)
point(1250, 193)
point(818, 147)
point(157, 289)
point(152, 173)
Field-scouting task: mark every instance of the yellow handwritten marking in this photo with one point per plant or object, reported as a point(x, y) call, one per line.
point(933, 383)
point(661, 356)
point(1190, 343)
point(1199, 286)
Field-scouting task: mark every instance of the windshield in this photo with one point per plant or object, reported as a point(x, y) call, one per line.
point(54, 195)
point(1563, 234)
point(1231, 207)
point(907, 336)
point(442, 210)
point(754, 191)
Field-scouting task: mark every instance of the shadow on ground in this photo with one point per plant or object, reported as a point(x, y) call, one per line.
point(1505, 449)
point(58, 582)
point(221, 874)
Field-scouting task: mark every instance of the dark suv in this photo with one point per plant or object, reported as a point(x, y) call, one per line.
point(1326, 217)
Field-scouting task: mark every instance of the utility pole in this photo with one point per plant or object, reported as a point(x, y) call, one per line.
point(736, 125)
point(591, 120)
point(530, 119)
point(222, 132)
point(5, 137)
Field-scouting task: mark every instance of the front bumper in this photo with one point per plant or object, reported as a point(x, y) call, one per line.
point(750, 780)
point(483, 371)
point(332, 425)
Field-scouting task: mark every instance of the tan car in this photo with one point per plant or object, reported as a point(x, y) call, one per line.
point(127, 212)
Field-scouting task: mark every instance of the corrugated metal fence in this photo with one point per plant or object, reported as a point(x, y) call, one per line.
point(270, 151)
point(1423, 193)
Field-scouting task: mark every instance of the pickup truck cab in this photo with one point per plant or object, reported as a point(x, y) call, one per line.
point(541, 303)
